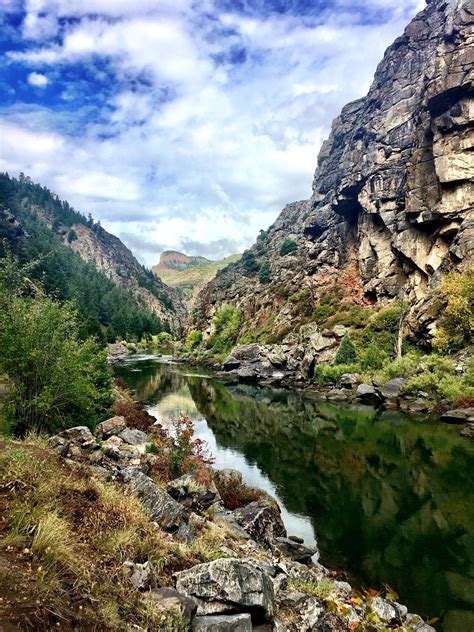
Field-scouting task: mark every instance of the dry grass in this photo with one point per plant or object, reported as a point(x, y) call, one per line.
point(64, 536)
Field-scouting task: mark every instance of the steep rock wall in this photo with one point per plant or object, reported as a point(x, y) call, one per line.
point(393, 192)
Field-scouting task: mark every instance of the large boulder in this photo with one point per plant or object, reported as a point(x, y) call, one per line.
point(368, 394)
point(227, 585)
point(133, 436)
point(392, 388)
point(112, 426)
point(458, 416)
point(294, 550)
point(161, 507)
point(78, 434)
point(261, 520)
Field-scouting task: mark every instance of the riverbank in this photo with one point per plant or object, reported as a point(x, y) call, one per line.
point(428, 386)
point(172, 552)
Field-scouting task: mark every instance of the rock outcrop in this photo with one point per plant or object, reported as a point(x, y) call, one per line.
point(393, 192)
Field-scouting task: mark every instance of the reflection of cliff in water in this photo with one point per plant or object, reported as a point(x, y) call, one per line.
point(389, 499)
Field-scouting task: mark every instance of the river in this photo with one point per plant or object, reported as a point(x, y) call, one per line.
point(388, 499)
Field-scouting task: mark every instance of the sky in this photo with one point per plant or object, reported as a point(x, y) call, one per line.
point(182, 124)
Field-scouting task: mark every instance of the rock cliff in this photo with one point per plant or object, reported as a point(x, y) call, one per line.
point(393, 192)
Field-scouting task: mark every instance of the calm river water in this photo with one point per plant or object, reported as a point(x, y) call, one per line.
point(388, 499)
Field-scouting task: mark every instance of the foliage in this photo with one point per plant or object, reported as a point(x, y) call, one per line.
point(189, 453)
point(346, 354)
point(235, 496)
point(226, 330)
point(249, 263)
point(106, 310)
point(55, 377)
point(134, 414)
point(456, 324)
point(264, 274)
point(322, 588)
point(371, 357)
point(325, 374)
point(381, 332)
point(288, 246)
point(437, 377)
point(193, 339)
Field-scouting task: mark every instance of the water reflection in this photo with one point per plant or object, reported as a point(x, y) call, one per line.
point(390, 500)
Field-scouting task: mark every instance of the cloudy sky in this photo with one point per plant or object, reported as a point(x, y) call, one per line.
point(183, 124)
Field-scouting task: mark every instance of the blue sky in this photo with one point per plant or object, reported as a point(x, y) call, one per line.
point(178, 123)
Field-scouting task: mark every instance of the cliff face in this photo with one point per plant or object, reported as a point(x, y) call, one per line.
point(116, 261)
point(393, 192)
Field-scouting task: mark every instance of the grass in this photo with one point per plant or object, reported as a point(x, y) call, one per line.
point(64, 536)
point(322, 589)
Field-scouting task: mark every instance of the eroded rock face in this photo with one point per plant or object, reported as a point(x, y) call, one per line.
point(393, 192)
point(227, 585)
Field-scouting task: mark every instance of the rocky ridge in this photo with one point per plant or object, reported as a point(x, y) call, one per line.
point(262, 579)
point(393, 193)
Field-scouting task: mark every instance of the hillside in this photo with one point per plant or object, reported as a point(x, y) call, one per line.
point(393, 198)
point(189, 273)
point(39, 225)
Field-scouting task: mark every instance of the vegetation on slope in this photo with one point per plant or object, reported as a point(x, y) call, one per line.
point(193, 276)
point(106, 311)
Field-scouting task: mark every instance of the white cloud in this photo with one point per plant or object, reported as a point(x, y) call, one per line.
point(38, 80)
point(203, 151)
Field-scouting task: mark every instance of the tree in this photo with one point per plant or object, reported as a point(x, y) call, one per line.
point(456, 324)
point(264, 275)
point(55, 379)
point(193, 339)
point(346, 354)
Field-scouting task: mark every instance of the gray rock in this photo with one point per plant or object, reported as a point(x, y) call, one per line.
point(167, 599)
point(313, 610)
point(78, 434)
point(227, 478)
point(224, 623)
point(141, 576)
point(231, 363)
point(458, 416)
point(294, 550)
point(261, 520)
point(132, 436)
point(385, 610)
point(162, 509)
point(367, 393)
point(112, 426)
point(349, 380)
point(392, 388)
point(226, 584)
point(192, 493)
point(291, 598)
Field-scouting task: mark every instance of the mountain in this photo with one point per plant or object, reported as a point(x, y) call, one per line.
point(189, 273)
point(80, 260)
point(393, 195)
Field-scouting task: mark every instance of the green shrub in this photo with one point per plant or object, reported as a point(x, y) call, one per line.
point(226, 330)
point(407, 366)
point(346, 354)
point(264, 274)
point(325, 374)
point(56, 379)
point(372, 357)
point(457, 322)
point(438, 378)
point(193, 339)
point(287, 247)
point(249, 263)
point(382, 330)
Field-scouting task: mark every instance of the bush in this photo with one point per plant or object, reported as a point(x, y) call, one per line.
point(226, 330)
point(346, 354)
point(264, 275)
point(287, 247)
point(437, 377)
point(57, 380)
point(382, 331)
point(193, 339)
point(325, 374)
point(249, 263)
point(457, 322)
point(372, 357)
point(188, 453)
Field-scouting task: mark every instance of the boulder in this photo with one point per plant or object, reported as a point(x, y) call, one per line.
point(457, 416)
point(132, 436)
point(392, 388)
point(112, 426)
point(78, 434)
point(231, 363)
point(313, 610)
point(294, 550)
point(224, 623)
point(167, 599)
point(368, 394)
point(349, 380)
point(163, 509)
point(261, 520)
point(339, 330)
point(385, 610)
point(226, 585)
